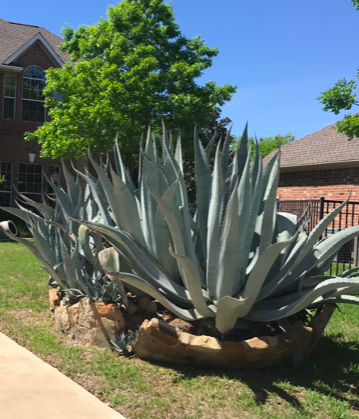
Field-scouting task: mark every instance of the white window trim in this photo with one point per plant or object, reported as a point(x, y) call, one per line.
point(32, 100)
point(9, 97)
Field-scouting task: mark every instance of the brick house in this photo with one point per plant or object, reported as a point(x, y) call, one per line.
point(25, 52)
point(322, 164)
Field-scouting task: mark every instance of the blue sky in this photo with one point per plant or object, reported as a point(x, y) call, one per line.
point(281, 53)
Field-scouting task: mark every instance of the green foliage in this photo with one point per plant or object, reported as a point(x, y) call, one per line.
point(268, 144)
point(129, 70)
point(342, 96)
point(237, 258)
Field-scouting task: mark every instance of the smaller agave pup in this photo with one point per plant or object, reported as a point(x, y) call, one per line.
point(238, 258)
point(69, 254)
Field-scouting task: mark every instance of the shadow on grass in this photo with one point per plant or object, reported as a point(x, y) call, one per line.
point(332, 369)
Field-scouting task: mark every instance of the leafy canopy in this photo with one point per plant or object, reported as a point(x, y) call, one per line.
point(127, 71)
point(268, 144)
point(342, 96)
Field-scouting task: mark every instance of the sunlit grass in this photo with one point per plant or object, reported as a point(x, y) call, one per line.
point(325, 386)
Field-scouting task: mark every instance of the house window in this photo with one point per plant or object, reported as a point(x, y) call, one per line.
point(33, 104)
point(30, 181)
point(55, 174)
point(9, 97)
point(6, 186)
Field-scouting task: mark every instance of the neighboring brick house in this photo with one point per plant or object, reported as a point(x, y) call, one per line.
point(25, 52)
point(322, 164)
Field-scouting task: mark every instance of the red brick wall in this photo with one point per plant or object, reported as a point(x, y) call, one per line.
point(13, 147)
point(333, 184)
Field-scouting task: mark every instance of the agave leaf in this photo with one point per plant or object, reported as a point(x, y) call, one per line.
point(178, 153)
point(44, 246)
point(271, 286)
point(214, 220)
point(127, 214)
point(43, 208)
point(185, 220)
point(163, 237)
point(61, 197)
point(153, 175)
point(192, 279)
point(318, 230)
point(23, 214)
point(138, 282)
point(320, 253)
point(258, 275)
point(231, 270)
point(73, 189)
point(203, 188)
point(278, 308)
point(322, 267)
point(285, 229)
point(227, 313)
point(121, 169)
point(225, 153)
point(172, 223)
point(83, 241)
point(253, 230)
point(313, 281)
point(303, 217)
point(35, 251)
point(70, 267)
point(344, 299)
point(269, 214)
point(155, 150)
point(161, 180)
point(257, 164)
point(240, 158)
point(349, 272)
point(98, 193)
point(211, 144)
point(139, 261)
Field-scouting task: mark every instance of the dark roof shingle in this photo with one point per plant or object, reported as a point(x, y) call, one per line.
point(14, 35)
point(322, 148)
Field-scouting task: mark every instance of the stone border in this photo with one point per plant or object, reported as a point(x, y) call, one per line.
point(89, 323)
point(158, 341)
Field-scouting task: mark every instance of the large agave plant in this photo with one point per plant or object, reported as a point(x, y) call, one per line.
point(65, 249)
point(237, 258)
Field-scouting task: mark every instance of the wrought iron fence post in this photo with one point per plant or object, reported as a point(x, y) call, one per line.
point(321, 208)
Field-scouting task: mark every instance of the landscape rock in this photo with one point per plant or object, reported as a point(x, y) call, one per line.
point(182, 325)
point(89, 323)
point(159, 341)
point(54, 298)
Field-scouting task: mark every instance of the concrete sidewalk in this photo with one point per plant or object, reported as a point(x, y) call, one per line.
point(32, 389)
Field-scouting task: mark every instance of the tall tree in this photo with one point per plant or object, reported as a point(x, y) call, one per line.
point(342, 96)
point(127, 71)
point(268, 144)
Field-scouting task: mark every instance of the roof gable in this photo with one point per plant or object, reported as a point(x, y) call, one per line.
point(322, 149)
point(15, 36)
point(37, 37)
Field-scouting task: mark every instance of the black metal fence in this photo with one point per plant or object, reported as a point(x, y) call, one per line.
point(348, 255)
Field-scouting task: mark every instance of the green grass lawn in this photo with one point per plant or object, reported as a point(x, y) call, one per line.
point(325, 386)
